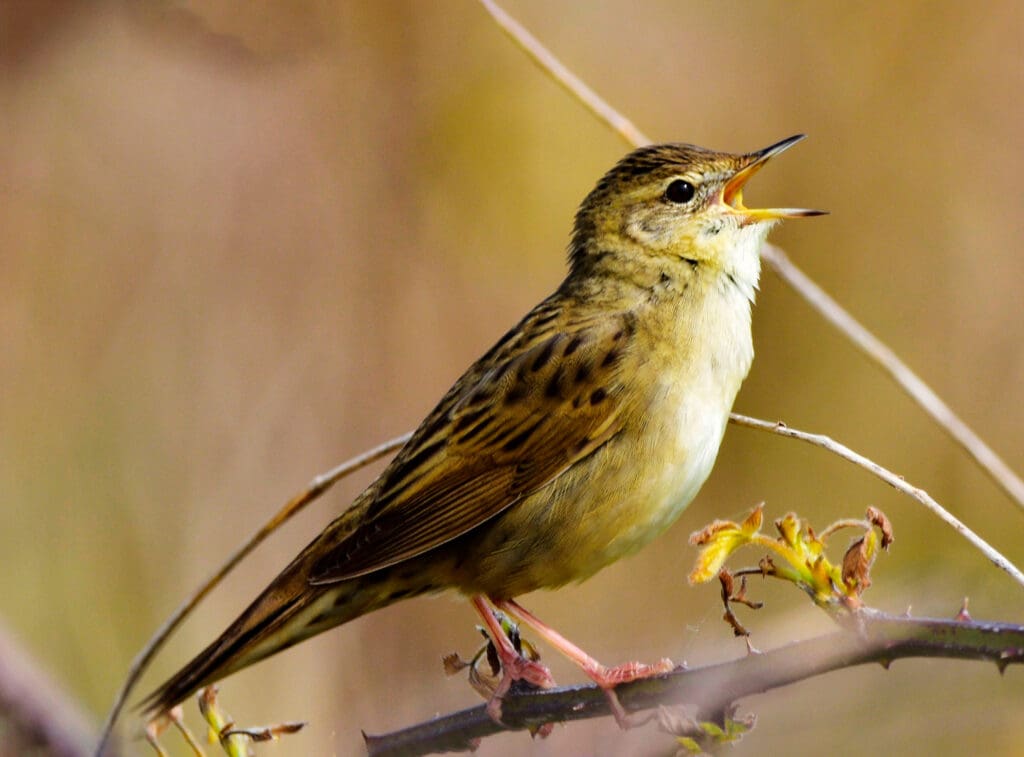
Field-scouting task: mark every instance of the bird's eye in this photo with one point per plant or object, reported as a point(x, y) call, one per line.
point(680, 191)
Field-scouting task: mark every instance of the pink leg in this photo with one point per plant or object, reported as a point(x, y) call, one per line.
point(514, 667)
point(606, 678)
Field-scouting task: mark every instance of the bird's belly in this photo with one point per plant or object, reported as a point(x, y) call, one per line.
point(608, 506)
point(656, 482)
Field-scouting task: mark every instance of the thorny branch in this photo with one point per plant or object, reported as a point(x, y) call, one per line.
point(872, 637)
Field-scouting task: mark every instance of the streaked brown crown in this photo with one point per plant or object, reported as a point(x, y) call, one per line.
point(648, 166)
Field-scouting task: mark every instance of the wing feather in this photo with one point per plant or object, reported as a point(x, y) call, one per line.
point(545, 401)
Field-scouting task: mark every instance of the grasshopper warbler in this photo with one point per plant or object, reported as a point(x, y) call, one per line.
point(579, 437)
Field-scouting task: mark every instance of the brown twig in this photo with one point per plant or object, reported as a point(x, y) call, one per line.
point(873, 637)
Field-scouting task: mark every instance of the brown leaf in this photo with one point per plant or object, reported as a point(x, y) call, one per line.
point(741, 596)
point(482, 684)
point(857, 565)
point(453, 664)
point(877, 518)
point(676, 721)
point(492, 658)
point(725, 578)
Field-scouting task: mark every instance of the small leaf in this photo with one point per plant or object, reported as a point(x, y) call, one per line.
point(453, 664)
point(719, 540)
point(789, 529)
point(877, 518)
point(857, 561)
point(752, 523)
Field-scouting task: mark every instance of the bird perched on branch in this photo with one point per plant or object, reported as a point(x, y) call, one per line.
point(575, 440)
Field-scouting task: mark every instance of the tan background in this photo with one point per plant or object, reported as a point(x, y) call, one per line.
point(241, 242)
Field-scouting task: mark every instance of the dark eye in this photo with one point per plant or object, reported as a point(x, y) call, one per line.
point(680, 191)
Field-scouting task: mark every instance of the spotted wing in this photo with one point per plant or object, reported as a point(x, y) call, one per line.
point(499, 435)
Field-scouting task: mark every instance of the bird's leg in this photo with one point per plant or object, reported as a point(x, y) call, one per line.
point(514, 667)
point(606, 678)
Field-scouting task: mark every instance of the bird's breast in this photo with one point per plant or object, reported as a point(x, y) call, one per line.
point(678, 390)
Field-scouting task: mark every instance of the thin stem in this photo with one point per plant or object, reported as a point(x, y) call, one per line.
point(890, 478)
point(909, 381)
point(566, 78)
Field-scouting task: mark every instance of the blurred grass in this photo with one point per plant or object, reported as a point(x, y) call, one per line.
point(239, 243)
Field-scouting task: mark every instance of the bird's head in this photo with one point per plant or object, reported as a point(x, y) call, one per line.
point(678, 202)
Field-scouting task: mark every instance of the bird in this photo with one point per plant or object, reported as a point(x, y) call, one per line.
point(580, 436)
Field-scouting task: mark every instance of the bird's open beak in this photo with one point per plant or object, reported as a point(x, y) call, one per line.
point(732, 193)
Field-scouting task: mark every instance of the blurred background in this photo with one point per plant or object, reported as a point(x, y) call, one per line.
point(241, 242)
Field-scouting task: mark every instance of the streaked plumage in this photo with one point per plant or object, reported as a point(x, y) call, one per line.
point(575, 440)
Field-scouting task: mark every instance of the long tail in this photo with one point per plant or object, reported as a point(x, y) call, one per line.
point(290, 610)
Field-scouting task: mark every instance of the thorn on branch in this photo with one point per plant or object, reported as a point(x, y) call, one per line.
point(962, 614)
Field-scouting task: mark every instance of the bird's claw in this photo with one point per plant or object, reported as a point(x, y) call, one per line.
point(609, 678)
point(516, 669)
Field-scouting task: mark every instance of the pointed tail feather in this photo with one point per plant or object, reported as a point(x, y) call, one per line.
point(235, 649)
point(289, 611)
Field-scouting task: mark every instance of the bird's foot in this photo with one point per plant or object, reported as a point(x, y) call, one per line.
point(514, 669)
point(514, 666)
point(609, 678)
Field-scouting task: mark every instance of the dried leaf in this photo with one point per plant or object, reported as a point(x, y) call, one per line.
point(454, 664)
point(857, 563)
point(482, 684)
point(492, 658)
point(737, 628)
point(725, 578)
point(741, 596)
point(877, 518)
point(703, 737)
